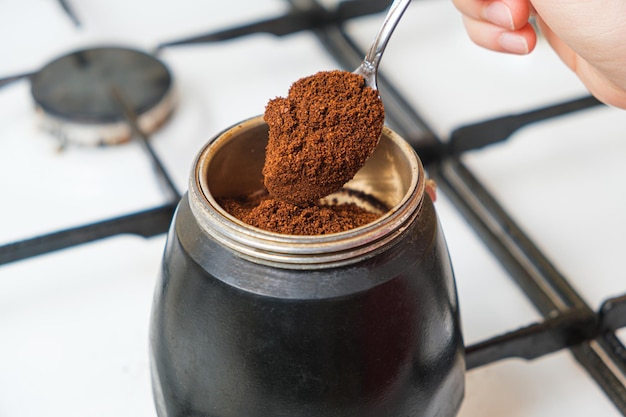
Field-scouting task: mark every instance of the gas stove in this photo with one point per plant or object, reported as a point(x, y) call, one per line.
point(530, 194)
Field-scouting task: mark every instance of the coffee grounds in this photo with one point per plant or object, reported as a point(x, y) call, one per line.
point(320, 135)
point(281, 217)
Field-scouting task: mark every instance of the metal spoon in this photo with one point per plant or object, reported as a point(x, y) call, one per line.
point(283, 177)
point(369, 67)
point(13, 78)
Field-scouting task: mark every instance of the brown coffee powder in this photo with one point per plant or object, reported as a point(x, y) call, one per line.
point(281, 217)
point(320, 135)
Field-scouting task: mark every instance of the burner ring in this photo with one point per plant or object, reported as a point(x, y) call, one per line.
point(74, 94)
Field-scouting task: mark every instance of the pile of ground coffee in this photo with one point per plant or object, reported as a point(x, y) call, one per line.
point(286, 218)
point(320, 135)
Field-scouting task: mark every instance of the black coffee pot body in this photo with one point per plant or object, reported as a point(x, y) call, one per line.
point(377, 336)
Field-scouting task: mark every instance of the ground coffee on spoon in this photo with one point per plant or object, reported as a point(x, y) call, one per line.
point(320, 135)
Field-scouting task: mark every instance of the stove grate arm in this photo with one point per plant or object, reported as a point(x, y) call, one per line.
point(568, 329)
point(145, 223)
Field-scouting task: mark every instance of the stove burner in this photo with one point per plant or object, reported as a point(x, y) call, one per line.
point(74, 94)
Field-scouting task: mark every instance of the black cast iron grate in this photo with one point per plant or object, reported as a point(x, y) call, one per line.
point(569, 323)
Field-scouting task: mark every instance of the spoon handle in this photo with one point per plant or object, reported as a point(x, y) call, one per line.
point(369, 66)
point(11, 79)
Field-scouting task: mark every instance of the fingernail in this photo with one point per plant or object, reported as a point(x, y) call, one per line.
point(514, 43)
point(499, 14)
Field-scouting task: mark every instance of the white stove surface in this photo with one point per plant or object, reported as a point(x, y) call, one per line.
point(74, 323)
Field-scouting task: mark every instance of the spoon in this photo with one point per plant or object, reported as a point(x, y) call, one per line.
point(13, 78)
point(369, 67)
point(327, 127)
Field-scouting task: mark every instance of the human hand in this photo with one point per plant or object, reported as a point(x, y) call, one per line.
point(589, 36)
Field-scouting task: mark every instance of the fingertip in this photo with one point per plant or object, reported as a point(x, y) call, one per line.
point(520, 12)
point(499, 14)
point(519, 42)
point(513, 43)
point(493, 37)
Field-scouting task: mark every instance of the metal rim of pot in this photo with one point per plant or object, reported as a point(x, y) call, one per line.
point(298, 251)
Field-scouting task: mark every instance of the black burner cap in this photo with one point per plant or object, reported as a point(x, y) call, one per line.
point(78, 86)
